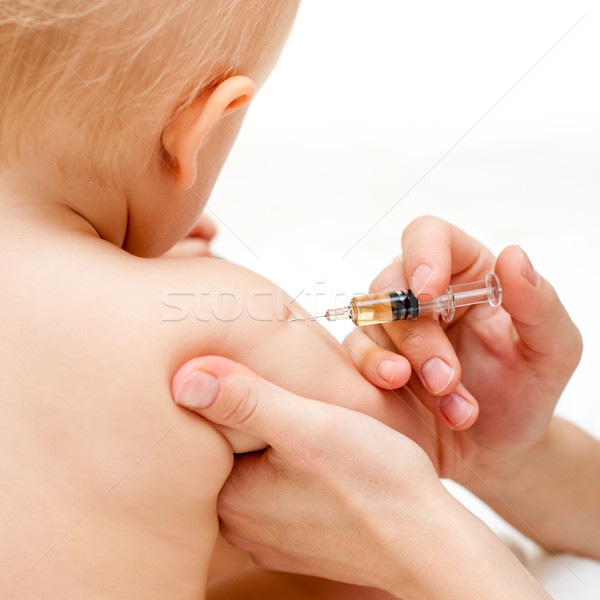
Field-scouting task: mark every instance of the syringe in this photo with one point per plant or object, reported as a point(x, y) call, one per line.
point(371, 309)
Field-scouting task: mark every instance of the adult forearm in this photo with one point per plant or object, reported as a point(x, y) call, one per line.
point(551, 493)
point(462, 559)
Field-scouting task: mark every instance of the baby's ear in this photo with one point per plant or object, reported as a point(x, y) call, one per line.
point(184, 136)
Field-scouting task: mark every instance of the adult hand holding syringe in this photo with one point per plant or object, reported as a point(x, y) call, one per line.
point(493, 360)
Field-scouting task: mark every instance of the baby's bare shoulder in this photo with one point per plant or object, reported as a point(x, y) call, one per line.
point(90, 321)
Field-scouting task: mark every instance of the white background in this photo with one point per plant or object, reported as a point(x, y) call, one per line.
point(484, 113)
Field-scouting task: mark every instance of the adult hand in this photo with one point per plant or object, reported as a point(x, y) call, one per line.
point(342, 496)
point(509, 364)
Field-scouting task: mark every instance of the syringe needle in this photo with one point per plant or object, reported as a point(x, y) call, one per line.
point(294, 319)
point(333, 314)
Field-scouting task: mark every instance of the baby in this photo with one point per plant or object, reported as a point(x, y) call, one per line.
point(115, 119)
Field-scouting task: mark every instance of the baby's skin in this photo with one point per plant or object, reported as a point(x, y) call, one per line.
point(96, 458)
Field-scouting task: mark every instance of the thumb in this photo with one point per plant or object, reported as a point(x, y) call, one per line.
point(540, 320)
point(229, 394)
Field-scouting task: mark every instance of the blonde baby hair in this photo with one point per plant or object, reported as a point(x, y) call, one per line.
point(103, 63)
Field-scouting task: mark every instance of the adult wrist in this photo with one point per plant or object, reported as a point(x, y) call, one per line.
point(431, 558)
point(462, 559)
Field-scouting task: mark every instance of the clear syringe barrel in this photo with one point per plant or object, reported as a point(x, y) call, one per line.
point(371, 309)
point(464, 294)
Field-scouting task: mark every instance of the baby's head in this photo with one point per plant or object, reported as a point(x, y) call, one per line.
point(131, 105)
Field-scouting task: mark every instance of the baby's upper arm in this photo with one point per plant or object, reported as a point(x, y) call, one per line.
point(209, 306)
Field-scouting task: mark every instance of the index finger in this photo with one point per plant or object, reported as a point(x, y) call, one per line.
point(434, 251)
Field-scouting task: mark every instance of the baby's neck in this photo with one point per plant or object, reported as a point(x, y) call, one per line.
point(76, 204)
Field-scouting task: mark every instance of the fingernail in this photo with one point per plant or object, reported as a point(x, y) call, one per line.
point(420, 278)
point(528, 271)
point(436, 375)
point(456, 409)
point(387, 369)
point(199, 390)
